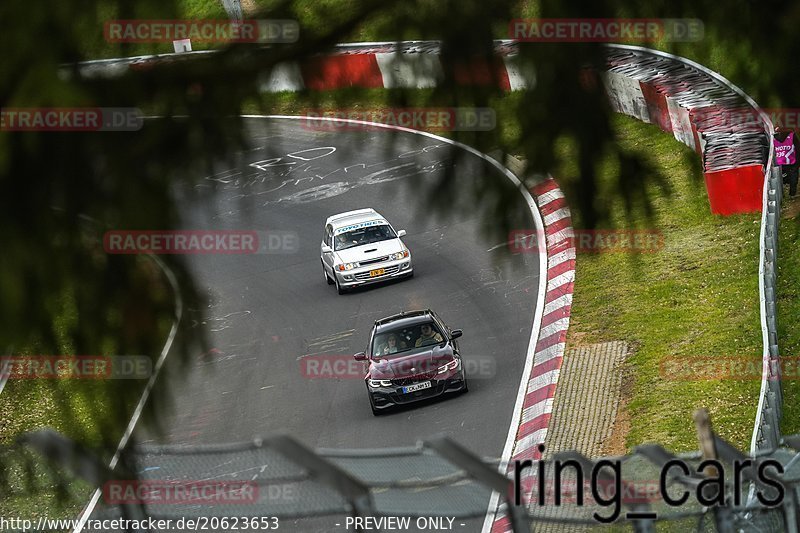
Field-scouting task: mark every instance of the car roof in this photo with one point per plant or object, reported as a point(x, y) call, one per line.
point(351, 218)
point(404, 319)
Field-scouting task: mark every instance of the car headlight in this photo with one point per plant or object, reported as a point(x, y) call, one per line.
point(452, 365)
point(347, 266)
point(378, 383)
point(400, 255)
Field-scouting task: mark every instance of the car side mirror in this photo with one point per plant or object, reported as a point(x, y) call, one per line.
point(360, 356)
point(401, 233)
point(326, 249)
point(456, 333)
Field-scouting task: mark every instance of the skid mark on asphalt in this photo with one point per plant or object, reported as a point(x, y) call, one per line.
point(224, 177)
point(526, 285)
point(248, 181)
point(488, 276)
point(335, 343)
point(330, 190)
point(362, 165)
point(236, 474)
point(242, 353)
point(320, 192)
point(191, 431)
point(220, 322)
point(488, 279)
point(380, 176)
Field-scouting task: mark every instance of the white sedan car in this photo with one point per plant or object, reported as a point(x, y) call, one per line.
point(361, 247)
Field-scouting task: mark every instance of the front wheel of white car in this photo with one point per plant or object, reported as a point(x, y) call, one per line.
point(339, 288)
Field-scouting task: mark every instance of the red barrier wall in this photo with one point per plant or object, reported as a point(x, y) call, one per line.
point(738, 190)
point(337, 71)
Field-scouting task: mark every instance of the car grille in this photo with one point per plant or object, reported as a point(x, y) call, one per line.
point(363, 276)
point(402, 382)
point(373, 261)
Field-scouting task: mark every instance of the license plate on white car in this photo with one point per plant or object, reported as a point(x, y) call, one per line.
point(417, 386)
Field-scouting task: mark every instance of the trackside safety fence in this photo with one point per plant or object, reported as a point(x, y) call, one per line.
point(437, 482)
point(766, 434)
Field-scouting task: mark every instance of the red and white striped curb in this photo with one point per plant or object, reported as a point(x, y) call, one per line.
point(537, 406)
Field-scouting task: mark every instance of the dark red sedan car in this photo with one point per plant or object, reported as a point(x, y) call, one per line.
point(412, 356)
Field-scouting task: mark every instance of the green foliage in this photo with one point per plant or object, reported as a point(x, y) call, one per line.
point(695, 300)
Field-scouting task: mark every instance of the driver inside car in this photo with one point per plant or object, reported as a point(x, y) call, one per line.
point(341, 241)
point(392, 345)
point(428, 336)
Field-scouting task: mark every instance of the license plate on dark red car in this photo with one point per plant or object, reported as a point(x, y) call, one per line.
point(417, 386)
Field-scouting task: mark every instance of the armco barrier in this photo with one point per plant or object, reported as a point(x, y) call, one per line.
point(702, 110)
point(766, 433)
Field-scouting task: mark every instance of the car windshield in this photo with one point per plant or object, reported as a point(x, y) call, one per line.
point(361, 236)
point(406, 340)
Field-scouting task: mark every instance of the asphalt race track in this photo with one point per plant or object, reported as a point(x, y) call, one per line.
point(270, 311)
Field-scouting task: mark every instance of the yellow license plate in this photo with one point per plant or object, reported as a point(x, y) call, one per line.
point(377, 272)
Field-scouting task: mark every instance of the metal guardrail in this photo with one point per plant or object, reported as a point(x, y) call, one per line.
point(4, 373)
point(766, 433)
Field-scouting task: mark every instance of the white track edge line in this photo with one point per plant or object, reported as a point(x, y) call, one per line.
point(148, 388)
